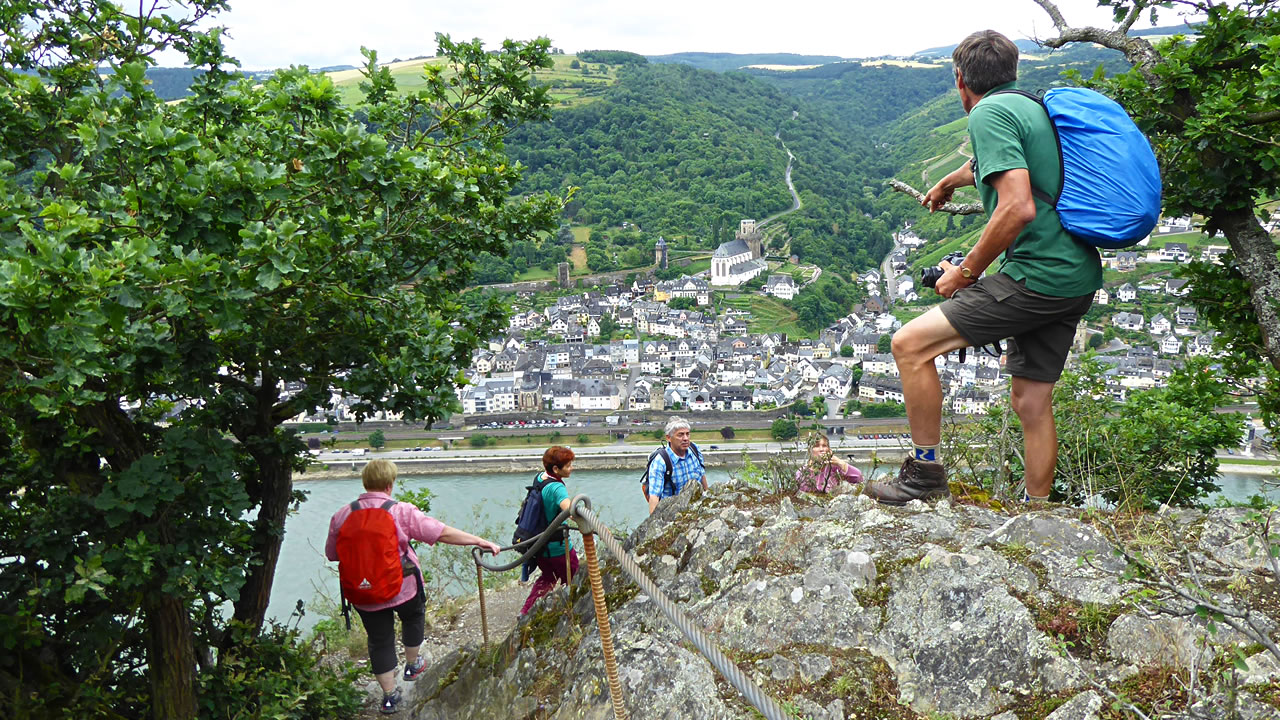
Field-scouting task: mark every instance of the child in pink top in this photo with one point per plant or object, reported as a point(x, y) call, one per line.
point(824, 471)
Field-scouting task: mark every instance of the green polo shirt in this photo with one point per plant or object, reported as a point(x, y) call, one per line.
point(1008, 132)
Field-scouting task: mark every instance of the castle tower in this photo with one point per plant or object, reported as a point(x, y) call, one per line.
point(660, 253)
point(563, 274)
point(753, 238)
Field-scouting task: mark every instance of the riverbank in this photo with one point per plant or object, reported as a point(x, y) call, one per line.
point(521, 460)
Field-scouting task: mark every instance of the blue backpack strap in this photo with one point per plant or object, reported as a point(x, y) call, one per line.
point(355, 505)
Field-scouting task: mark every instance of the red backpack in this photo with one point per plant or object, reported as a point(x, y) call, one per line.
point(370, 569)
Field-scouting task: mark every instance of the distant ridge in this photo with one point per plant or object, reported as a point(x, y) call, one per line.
point(1030, 47)
point(721, 62)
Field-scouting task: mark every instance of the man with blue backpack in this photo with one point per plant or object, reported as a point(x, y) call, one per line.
point(671, 467)
point(1054, 191)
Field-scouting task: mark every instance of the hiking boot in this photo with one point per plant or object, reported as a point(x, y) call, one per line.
point(917, 480)
point(391, 703)
point(411, 672)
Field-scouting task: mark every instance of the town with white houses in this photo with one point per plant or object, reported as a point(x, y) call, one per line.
point(695, 359)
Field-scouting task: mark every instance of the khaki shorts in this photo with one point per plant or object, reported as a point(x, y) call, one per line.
point(1039, 327)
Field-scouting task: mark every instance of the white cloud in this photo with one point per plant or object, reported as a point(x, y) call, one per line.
point(272, 33)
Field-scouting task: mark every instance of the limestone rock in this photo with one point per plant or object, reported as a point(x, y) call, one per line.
point(1084, 706)
point(922, 606)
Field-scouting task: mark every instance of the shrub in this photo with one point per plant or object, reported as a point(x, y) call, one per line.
point(273, 675)
point(783, 429)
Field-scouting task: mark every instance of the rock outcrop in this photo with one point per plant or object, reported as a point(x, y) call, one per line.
point(840, 608)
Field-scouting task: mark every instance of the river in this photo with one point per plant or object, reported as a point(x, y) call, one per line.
point(473, 502)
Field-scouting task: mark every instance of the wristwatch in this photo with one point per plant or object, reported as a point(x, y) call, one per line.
point(965, 272)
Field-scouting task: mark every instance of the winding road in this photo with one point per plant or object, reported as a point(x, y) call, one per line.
point(795, 197)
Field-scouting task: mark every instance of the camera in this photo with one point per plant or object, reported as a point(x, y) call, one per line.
point(929, 276)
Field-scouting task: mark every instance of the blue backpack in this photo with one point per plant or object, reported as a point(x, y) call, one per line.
point(1110, 193)
point(531, 521)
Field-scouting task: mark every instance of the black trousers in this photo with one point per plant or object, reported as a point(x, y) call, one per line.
point(380, 625)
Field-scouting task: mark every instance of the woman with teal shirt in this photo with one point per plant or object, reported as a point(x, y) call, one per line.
point(557, 462)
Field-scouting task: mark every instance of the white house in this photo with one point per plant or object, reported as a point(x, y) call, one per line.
point(1128, 321)
point(1160, 324)
point(1202, 346)
point(879, 364)
point(880, 390)
point(1102, 297)
point(1176, 287)
point(781, 286)
point(1126, 261)
point(1174, 252)
point(1214, 253)
point(1175, 224)
point(970, 402)
point(836, 381)
point(1171, 345)
point(1127, 293)
point(1186, 316)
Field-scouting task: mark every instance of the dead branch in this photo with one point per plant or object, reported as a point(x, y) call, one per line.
point(953, 208)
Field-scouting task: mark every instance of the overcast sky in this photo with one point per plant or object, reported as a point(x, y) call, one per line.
point(274, 33)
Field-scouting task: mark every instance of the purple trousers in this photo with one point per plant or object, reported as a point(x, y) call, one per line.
point(553, 571)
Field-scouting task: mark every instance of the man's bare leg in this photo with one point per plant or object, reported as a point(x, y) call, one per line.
point(1033, 402)
point(915, 346)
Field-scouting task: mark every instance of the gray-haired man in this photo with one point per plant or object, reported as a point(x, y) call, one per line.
point(685, 464)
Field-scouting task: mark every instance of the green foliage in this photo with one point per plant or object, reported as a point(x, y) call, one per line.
point(884, 344)
point(420, 499)
point(727, 433)
point(1221, 295)
point(479, 440)
point(583, 438)
point(846, 351)
point(164, 270)
point(612, 57)
point(826, 301)
point(682, 303)
point(272, 676)
point(1160, 446)
point(884, 410)
point(1200, 111)
point(783, 429)
point(377, 439)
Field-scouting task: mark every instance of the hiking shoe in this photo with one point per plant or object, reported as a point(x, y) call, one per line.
point(411, 672)
point(391, 703)
point(916, 480)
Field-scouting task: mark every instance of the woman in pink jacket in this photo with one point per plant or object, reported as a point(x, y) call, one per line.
point(824, 471)
point(379, 622)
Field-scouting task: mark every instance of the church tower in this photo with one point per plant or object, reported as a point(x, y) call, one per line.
point(753, 238)
point(660, 253)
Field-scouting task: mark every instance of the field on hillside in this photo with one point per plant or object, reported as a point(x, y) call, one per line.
point(569, 86)
point(767, 315)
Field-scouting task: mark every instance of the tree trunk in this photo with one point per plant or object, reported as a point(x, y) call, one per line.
point(1256, 256)
point(171, 659)
point(276, 476)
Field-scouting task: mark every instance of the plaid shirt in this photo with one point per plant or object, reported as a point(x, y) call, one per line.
point(686, 468)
